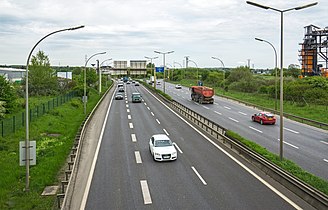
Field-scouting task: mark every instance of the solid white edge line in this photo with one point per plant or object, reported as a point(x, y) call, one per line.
point(199, 176)
point(138, 157)
point(133, 137)
point(92, 169)
point(231, 157)
point(175, 144)
point(145, 192)
point(255, 129)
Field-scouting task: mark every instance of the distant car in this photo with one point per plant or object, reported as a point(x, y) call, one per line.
point(136, 97)
point(118, 96)
point(120, 89)
point(136, 84)
point(128, 82)
point(264, 118)
point(158, 82)
point(133, 82)
point(178, 86)
point(162, 148)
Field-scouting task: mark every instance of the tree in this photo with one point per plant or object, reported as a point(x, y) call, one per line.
point(42, 79)
point(7, 97)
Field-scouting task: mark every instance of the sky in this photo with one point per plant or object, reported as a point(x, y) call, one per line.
point(133, 29)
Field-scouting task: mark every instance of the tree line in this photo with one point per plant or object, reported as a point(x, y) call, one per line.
point(43, 81)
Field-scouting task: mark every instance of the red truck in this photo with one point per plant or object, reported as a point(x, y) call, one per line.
point(202, 94)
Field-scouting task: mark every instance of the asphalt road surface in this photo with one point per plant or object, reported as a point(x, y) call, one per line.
point(205, 175)
point(305, 145)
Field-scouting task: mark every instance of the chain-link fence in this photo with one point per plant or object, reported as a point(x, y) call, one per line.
point(10, 125)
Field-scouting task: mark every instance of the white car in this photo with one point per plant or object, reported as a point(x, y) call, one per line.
point(178, 86)
point(161, 148)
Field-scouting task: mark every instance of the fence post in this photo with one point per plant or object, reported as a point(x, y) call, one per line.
point(37, 111)
point(44, 108)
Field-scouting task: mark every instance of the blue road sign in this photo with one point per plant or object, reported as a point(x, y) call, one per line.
point(159, 69)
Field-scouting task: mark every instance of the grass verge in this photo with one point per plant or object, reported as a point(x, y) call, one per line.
point(285, 164)
point(54, 133)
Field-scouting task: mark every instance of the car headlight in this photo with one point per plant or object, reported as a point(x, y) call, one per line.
point(174, 153)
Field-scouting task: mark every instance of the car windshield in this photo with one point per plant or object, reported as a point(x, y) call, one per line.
point(163, 143)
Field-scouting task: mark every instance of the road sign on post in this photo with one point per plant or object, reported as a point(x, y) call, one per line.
point(22, 154)
point(159, 69)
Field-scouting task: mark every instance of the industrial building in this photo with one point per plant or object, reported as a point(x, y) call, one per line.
point(314, 52)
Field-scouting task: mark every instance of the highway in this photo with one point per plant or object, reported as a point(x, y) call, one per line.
point(204, 176)
point(305, 145)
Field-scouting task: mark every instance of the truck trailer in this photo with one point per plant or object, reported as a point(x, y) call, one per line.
point(202, 94)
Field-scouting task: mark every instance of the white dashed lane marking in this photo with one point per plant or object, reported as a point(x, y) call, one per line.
point(133, 137)
point(233, 119)
point(138, 157)
point(145, 192)
point(255, 129)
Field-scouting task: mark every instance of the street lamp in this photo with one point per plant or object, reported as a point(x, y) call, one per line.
point(152, 69)
point(27, 142)
point(275, 80)
point(223, 71)
point(85, 81)
point(100, 74)
point(164, 53)
point(281, 60)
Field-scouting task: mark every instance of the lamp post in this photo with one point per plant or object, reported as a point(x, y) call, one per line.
point(152, 68)
point(164, 53)
point(281, 60)
point(275, 67)
point(100, 72)
point(223, 71)
point(85, 81)
point(27, 142)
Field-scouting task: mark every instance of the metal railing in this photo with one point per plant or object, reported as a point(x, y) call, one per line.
point(311, 195)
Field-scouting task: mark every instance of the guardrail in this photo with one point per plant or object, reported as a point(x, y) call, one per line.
point(290, 116)
point(75, 154)
point(311, 195)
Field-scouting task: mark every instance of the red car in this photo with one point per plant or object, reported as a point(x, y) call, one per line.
point(264, 118)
